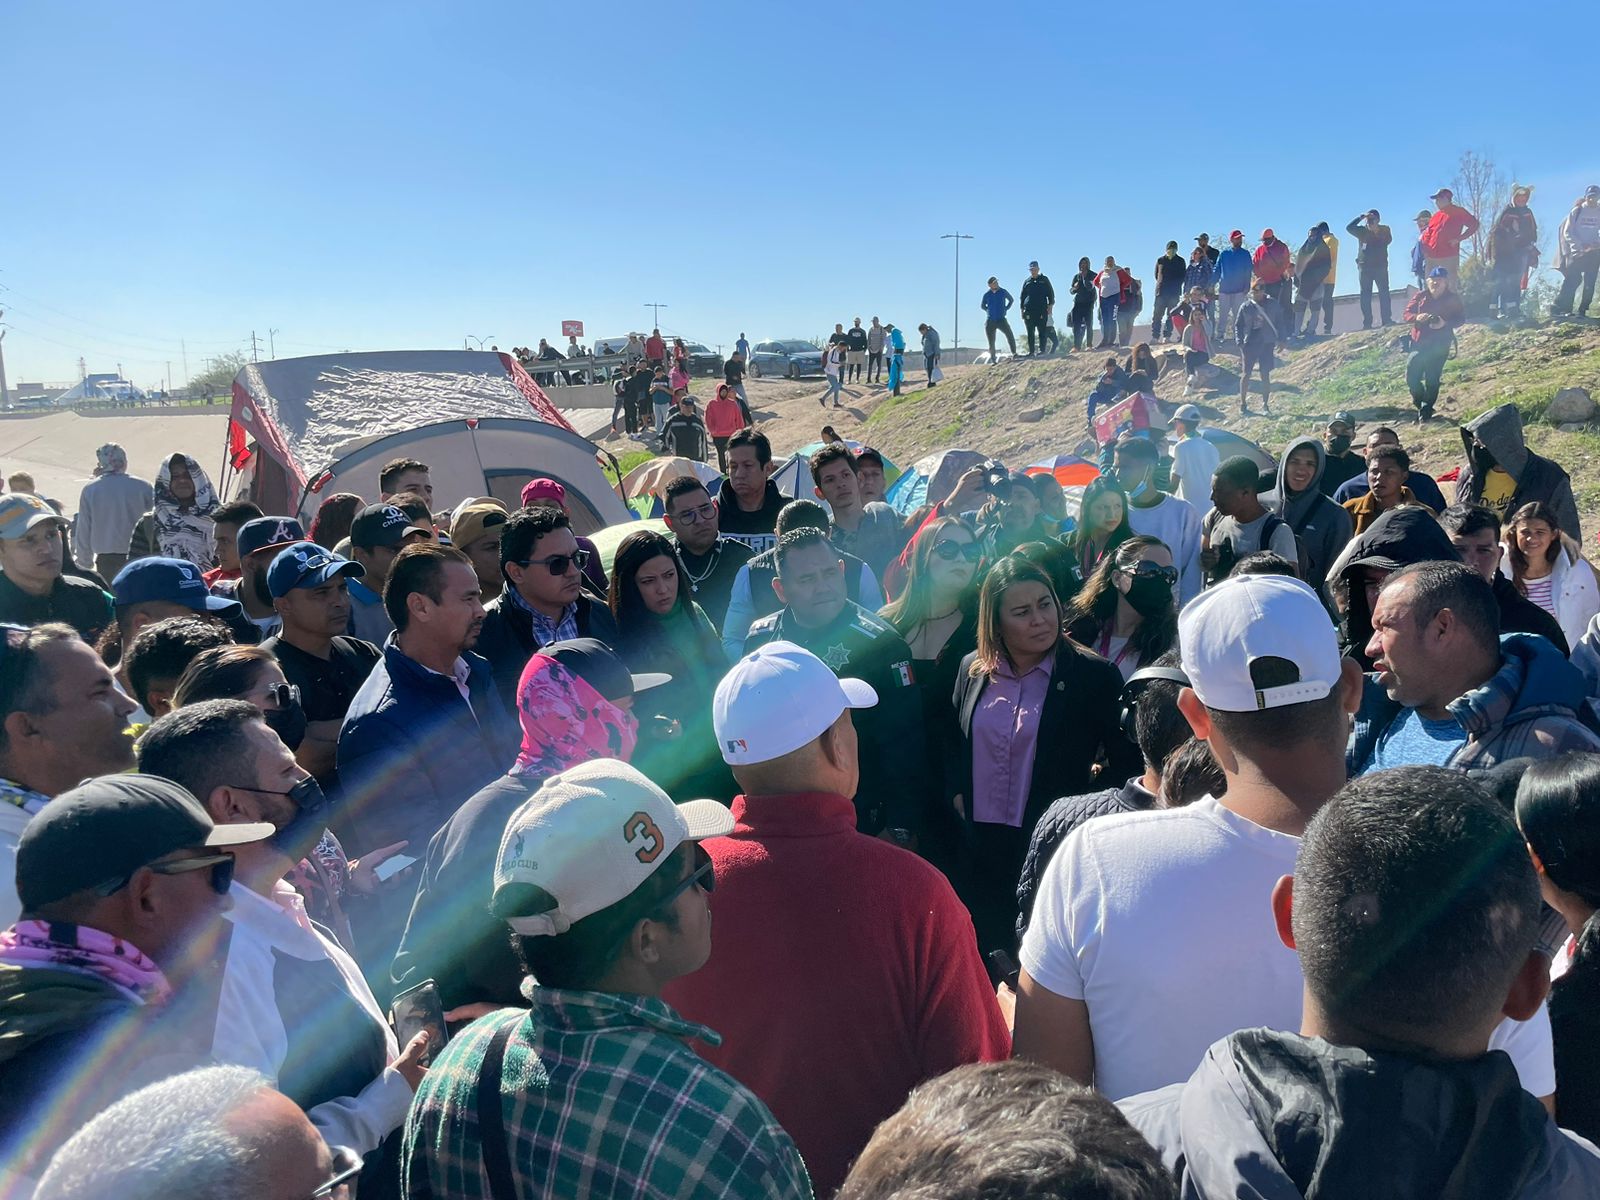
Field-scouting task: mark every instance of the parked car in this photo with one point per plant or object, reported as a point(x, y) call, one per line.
point(601, 347)
point(790, 359)
point(703, 360)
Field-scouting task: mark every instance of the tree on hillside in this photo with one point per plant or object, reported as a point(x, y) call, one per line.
point(218, 374)
point(1483, 189)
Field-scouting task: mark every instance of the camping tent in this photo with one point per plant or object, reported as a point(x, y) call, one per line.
point(303, 428)
point(642, 488)
point(936, 475)
point(1068, 469)
point(1229, 443)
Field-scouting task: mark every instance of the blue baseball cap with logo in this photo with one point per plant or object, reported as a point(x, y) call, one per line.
point(307, 565)
point(173, 581)
point(266, 533)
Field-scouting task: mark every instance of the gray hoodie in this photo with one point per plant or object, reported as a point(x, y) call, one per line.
point(1276, 1116)
point(1538, 478)
point(1322, 526)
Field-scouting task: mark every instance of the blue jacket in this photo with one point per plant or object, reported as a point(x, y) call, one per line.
point(1419, 258)
point(995, 303)
point(1234, 268)
point(411, 751)
point(1528, 708)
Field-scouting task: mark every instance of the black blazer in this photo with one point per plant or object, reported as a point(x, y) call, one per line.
point(1079, 725)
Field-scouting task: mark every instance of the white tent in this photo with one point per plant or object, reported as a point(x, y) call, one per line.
point(304, 428)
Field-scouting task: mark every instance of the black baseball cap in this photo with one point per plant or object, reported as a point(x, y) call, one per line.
point(383, 525)
point(597, 664)
point(105, 829)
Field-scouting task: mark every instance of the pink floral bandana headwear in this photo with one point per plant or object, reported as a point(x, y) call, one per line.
point(566, 722)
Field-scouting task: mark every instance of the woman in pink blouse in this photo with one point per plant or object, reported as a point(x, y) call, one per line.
point(1036, 714)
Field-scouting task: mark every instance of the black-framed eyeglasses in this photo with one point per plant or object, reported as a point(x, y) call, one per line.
point(693, 516)
point(950, 550)
point(347, 1165)
point(1150, 570)
point(284, 695)
point(558, 563)
point(221, 866)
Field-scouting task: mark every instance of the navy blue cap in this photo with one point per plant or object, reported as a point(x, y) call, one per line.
point(306, 564)
point(266, 532)
point(1438, 273)
point(172, 580)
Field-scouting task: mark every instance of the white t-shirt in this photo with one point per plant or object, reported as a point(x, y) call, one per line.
point(1194, 462)
point(1161, 922)
point(1177, 524)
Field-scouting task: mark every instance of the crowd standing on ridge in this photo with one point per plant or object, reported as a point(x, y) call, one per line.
point(1051, 853)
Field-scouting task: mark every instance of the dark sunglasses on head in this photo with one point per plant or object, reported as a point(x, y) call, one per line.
point(558, 563)
point(951, 550)
point(221, 872)
point(1150, 570)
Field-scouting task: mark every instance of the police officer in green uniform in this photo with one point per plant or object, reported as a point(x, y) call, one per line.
point(854, 643)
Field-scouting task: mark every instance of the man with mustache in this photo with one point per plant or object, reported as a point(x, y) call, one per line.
point(427, 729)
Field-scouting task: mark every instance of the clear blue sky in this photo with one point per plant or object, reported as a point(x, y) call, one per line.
point(372, 176)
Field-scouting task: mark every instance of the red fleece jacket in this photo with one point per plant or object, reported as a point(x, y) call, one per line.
point(843, 973)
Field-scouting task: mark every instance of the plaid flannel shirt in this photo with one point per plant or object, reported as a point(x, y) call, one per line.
point(602, 1099)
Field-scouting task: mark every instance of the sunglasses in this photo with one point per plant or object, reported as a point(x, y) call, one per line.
point(284, 695)
point(558, 563)
point(1150, 570)
point(704, 876)
point(221, 866)
point(347, 1165)
point(951, 550)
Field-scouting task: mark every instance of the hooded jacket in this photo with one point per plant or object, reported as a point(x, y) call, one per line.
point(1322, 526)
point(1528, 708)
point(1279, 1117)
point(1500, 431)
point(1398, 538)
point(1312, 262)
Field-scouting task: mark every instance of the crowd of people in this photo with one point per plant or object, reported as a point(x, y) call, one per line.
point(1051, 853)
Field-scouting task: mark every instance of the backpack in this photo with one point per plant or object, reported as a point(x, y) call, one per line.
point(1227, 559)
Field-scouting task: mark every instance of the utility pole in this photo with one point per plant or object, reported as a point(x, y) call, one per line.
point(184, 346)
point(169, 377)
point(655, 313)
point(4, 397)
point(255, 350)
point(959, 238)
point(272, 343)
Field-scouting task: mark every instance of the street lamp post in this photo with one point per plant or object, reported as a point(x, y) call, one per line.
point(479, 340)
point(958, 237)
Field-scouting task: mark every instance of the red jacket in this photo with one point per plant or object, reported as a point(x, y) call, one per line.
point(654, 347)
point(1450, 226)
point(723, 419)
point(843, 973)
point(1273, 262)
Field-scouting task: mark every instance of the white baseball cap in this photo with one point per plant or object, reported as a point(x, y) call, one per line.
point(1187, 413)
point(589, 837)
point(778, 698)
point(1228, 627)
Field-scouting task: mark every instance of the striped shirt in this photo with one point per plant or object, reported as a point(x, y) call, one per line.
point(602, 1099)
point(1541, 593)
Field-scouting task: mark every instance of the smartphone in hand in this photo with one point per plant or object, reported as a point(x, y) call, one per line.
point(416, 1009)
point(390, 867)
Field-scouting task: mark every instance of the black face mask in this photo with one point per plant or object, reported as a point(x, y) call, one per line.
point(1482, 460)
point(289, 723)
point(1149, 596)
point(301, 835)
point(1339, 443)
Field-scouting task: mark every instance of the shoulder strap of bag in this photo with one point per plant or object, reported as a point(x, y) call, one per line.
point(491, 1121)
